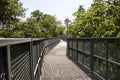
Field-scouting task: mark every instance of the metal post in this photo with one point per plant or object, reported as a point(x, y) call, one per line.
point(91, 57)
point(68, 50)
point(106, 73)
point(31, 58)
point(38, 58)
point(71, 49)
point(83, 51)
point(8, 63)
point(77, 50)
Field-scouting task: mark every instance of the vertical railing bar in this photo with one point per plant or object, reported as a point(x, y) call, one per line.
point(106, 73)
point(83, 51)
point(91, 57)
point(8, 63)
point(31, 59)
point(38, 57)
point(77, 50)
point(71, 47)
point(68, 49)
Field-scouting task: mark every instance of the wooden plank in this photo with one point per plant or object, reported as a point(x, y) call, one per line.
point(57, 66)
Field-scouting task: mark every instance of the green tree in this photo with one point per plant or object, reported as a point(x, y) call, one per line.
point(100, 20)
point(40, 25)
point(10, 10)
point(37, 15)
point(67, 22)
point(50, 25)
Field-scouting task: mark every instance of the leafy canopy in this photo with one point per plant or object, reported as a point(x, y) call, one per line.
point(100, 20)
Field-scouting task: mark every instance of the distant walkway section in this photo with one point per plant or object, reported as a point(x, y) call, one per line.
point(57, 66)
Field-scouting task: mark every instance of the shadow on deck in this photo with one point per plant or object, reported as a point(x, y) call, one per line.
point(57, 66)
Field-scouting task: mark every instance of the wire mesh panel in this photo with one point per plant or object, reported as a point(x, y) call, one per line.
point(99, 67)
point(41, 47)
point(114, 49)
point(70, 43)
point(80, 45)
point(73, 55)
point(87, 46)
point(20, 61)
point(80, 58)
point(86, 60)
point(74, 44)
point(86, 52)
point(3, 71)
point(80, 52)
point(114, 59)
point(35, 54)
point(73, 49)
point(100, 47)
point(114, 71)
point(98, 55)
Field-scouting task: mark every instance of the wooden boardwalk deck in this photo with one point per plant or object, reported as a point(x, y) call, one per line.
point(57, 66)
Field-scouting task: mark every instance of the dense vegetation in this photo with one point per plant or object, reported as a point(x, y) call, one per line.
point(100, 20)
point(39, 24)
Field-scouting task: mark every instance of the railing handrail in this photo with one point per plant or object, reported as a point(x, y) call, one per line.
point(95, 38)
point(12, 41)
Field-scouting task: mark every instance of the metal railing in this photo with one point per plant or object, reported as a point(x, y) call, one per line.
point(99, 57)
point(21, 59)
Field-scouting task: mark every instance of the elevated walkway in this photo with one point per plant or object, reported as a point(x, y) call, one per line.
point(57, 66)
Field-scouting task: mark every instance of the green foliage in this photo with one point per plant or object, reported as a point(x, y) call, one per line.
point(46, 25)
point(67, 22)
point(10, 10)
point(100, 20)
point(39, 24)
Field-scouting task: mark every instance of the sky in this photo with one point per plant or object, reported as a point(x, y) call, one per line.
point(62, 9)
